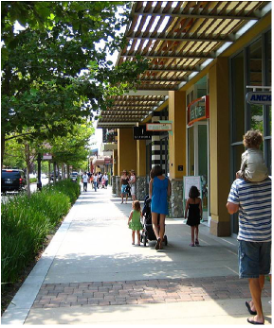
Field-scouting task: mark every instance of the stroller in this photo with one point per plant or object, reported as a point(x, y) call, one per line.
point(148, 233)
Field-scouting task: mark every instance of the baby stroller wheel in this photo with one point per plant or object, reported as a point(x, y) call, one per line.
point(165, 240)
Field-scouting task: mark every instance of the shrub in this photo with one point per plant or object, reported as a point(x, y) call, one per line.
point(27, 221)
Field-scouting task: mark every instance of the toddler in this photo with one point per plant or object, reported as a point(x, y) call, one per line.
point(134, 221)
point(253, 167)
point(195, 213)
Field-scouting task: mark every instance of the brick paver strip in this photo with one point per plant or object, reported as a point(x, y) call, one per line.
point(143, 291)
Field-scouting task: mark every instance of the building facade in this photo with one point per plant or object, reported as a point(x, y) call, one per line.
point(205, 101)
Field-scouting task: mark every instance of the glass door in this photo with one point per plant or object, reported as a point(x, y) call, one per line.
point(198, 159)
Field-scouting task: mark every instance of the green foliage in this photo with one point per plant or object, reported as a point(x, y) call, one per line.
point(55, 71)
point(72, 149)
point(14, 155)
point(67, 187)
point(27, 221)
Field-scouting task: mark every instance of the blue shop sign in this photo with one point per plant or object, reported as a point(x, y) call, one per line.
point(259, 98)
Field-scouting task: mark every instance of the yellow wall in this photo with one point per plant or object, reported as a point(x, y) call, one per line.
point(219, 147)
point(177, 141)
point(126, 150)
point(141, 158)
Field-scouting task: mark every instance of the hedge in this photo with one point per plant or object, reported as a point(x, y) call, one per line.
point(27, 221)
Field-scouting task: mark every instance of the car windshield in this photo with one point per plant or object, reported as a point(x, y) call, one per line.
point(8, 174)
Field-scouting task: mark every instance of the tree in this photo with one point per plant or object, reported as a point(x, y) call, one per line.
point(55, 70)
point(73, 150)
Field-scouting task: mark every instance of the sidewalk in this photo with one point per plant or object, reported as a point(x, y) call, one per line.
point(91, 274)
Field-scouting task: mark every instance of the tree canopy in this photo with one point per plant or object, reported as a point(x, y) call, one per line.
point(55, 69)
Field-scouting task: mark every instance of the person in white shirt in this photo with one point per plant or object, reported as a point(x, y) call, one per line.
point(85, 181)
point(95, 181)
point(132, 183)
point(105, 177)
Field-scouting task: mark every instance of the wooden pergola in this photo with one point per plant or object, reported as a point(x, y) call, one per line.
point(180, 38)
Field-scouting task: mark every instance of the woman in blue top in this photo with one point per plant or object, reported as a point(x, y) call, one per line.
point(159, 191)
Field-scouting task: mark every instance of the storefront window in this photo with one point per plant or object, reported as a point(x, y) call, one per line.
point(251, 67)
point(257, 117)
point(255, 63)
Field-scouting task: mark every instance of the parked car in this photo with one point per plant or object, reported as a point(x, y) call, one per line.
point(13, 180)
point(74, 176)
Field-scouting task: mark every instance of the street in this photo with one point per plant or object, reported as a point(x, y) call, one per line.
point(33, 188)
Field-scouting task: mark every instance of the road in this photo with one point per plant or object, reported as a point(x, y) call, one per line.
point(33, 188)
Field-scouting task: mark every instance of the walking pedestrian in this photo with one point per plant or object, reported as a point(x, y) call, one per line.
point(85, 181)
point(95, 181)
point(134, 221)
point(132, 183)
point(253, 201)
point(159, 191)
point(106, 179)
point(124, 183)
point(195, 214)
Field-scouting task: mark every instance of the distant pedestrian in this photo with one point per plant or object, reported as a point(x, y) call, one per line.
point(195, 214)
point(91, 180)
point(85, 181)
point(253, 201)
point(134, 221)
point(106, 179)
point(159, 191)
point(132, 183)
point(124, 184)
point(253, 167)
point(99, 181)
point(95, 181)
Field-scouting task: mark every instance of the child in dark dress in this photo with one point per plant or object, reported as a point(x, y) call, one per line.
point(195, 213)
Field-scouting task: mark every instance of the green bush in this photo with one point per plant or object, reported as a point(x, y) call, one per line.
point(27, 221)
point(31, 180)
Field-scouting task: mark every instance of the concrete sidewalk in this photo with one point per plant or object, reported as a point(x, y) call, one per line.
point(91, 274)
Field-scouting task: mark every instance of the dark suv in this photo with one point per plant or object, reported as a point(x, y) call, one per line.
point(13, 180)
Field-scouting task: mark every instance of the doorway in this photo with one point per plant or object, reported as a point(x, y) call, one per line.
point(198, 159)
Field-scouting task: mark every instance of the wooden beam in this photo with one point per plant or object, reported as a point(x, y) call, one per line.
point(171, 70)
point(180, 56)
point(190, 15)
point(182, 38)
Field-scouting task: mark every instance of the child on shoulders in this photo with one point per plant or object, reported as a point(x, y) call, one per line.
point(253, 167)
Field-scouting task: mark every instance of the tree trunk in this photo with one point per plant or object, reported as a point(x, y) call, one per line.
point(3, 144)
point(63, 171)
point(49, 173)
point(27, 157)
point(68, 170)
point(54, 172)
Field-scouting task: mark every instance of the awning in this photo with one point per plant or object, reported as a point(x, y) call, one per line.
point(180, 38)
